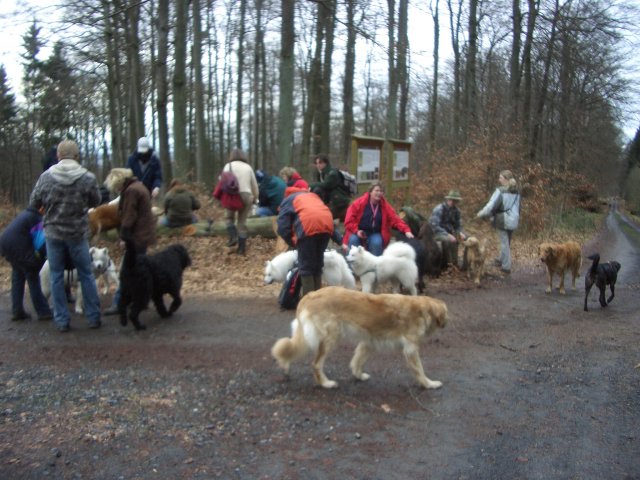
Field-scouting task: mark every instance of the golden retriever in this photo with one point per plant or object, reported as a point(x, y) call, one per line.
point(560, 257)
point(373, 320)
point(474, 251)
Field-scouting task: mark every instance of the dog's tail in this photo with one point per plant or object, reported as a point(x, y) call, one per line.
point(594, 266)
point(287, 350)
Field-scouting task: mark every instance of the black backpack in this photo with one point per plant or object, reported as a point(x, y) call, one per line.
point(290, 292)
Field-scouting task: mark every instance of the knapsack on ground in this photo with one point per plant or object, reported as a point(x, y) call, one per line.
point(349, 182)
point(290, 293)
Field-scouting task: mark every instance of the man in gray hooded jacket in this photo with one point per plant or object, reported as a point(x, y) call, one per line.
point(67, 191)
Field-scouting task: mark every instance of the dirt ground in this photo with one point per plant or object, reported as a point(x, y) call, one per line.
point(534, 387)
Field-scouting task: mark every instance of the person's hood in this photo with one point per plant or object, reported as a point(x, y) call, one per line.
point(67, 171)
point(291, 190)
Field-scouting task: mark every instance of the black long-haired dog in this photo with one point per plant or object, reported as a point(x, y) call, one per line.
point(602, 274)
point(149, 277)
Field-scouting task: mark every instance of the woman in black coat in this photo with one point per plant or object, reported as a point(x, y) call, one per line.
point(17, 246)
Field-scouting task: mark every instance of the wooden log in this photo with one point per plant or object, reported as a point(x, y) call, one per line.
point(257, 227)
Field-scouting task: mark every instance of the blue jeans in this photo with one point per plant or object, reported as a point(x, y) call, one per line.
point(79, 251)
point(19, 275)
point(374, 243)
point(264, 212)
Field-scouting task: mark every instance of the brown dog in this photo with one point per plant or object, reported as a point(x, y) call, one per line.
point(103, 218)
point(474, 251)
point(560, 257)
point(373, 320)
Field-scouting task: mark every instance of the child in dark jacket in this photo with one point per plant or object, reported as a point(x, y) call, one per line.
point(17, 246)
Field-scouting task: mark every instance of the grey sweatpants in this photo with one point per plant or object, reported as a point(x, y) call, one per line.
point(505, 248)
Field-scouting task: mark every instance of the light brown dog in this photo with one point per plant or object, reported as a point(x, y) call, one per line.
point(560, 257)
point(373, 320)
point(474, 251)
point(103, 218)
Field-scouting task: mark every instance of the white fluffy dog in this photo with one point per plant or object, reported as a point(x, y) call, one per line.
point(396, 265)
point(103, 267)
point(336, 272)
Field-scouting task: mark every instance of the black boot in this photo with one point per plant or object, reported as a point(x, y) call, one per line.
point(242, 245)
point(233, 235)
point(308, 285)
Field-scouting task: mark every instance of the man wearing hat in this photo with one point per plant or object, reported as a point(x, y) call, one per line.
point(145, 165)
point(447, 226)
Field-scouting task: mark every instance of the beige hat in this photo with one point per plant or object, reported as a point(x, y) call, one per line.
point(116, 178)
point(453, 195)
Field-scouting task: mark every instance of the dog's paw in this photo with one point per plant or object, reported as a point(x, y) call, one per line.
point(79, 310)
point(363, 377)
point(432, 384)
point(329, 384)
point(141, 326)
point(548, 290)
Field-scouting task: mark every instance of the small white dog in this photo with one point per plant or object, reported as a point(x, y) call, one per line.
point(396, 265)
point(336, 272)
point(103, 267)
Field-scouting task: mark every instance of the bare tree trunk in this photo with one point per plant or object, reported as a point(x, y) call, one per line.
point(161, 102)
point(347, 87)
point(433, 108)
point(204, 164)
point(455, 24)
point(258, 86)
point(471, 92)
point(324, 119)
point(240, 74)
point(402, 67)
point(313, 88)
point(526, 67)
point(136, 104)
point(113, 85)
point(287, 65)
point(392, 102)
point(514, 70)
point(544, 87)
point(181, 153)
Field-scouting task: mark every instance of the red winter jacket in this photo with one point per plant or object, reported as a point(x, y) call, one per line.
point(390, 219)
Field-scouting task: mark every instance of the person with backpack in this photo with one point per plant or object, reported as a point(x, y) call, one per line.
point(369, 220)
point(504, 210)
point(248, 191)
point(23, 245)
point(330, 187)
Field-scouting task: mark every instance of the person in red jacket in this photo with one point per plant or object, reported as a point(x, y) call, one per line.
point(292, 178)
point(369, 221)
point(306, 223)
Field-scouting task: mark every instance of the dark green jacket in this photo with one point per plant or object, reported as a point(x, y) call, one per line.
point(329, 187)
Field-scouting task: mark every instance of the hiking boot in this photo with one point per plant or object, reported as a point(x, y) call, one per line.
point(94, 325)
point(233, 235)
point(242, 245)
point(20, 316)
point(64, 328)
